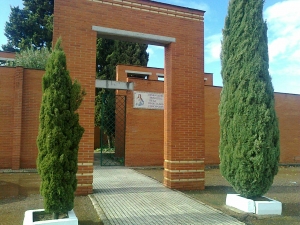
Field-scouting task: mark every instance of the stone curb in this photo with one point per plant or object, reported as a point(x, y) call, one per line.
point(99, 211)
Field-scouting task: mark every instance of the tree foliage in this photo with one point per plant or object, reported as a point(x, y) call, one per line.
point(249, 135)
point(113, 52)
point(31, 58)
point(59, 134)
point(110, 53)
point(30, 26)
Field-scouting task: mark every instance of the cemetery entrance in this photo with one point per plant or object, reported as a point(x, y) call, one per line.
point(181, 31)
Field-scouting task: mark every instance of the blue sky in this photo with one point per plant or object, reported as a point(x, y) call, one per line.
point(283, 33)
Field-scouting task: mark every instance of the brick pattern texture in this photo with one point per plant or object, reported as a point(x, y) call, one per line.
point(144, 128)
point(20, 97)
point(175, 137)
point(288, 113)
point(149, 130)
point(184, 126)
point(144, 135)
point(6, 115)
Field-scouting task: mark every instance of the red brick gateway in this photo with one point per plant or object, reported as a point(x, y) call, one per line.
point(181, 31)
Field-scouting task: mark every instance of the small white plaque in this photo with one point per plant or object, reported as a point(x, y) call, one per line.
point(148, 100)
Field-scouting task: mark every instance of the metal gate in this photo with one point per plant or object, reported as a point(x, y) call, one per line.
point(112, 134)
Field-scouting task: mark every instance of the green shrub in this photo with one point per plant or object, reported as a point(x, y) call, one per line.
point(31, 58)
point(59, 135)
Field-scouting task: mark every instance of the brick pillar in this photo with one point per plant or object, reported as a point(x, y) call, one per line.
point(184, 116)
point(17, 122)
point(79, 44)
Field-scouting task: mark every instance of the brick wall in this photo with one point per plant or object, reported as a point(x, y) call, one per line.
point(144, 127)
point(287, 108)
point(7, 55)
point(20, 97)
point(288, 113)
point(21, 137)
point(183, 119)
point(32, 97)
point(212, 137)
point(6, 115)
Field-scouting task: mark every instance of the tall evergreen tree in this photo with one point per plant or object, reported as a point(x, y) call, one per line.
point(249, 135)
point(31, 26)
point(59, 135)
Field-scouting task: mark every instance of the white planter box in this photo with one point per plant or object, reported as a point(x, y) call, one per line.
point(267, 207)
point(272, 207)
point(28, 219)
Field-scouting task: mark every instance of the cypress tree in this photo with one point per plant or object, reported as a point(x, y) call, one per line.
point(249, 135)
point(59, 134)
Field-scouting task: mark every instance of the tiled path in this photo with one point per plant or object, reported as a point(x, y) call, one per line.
point(128, 197)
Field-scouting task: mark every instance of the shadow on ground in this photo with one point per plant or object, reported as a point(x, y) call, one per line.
point(20, 192)
point(286, 189)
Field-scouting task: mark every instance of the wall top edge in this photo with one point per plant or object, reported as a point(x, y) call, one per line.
point(158, 7)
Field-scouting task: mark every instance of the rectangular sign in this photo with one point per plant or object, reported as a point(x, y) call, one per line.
point(148, 100)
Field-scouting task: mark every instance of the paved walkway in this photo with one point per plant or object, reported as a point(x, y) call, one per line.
point(128, 197)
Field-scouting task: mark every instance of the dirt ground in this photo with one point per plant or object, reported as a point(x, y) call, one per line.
point(20, 192)
point(286, 189)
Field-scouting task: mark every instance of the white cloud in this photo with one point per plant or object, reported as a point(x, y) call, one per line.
point(154, 50)
point(286, 85)
point(296, 55)
point(292, 70)
point(198, 5)
point(156, 56)
point(213, 48)
point(284, 29)
point(194, 4)
point(285, 76)
point(284, 45)
point(150, 51)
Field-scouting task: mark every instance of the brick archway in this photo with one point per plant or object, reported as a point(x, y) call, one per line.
point(181, 31)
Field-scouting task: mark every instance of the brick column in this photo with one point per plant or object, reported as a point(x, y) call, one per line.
point(17, 122)
point(184, 116)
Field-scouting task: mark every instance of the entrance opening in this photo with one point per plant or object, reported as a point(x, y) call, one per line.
point(112, 131)
point(110, 105)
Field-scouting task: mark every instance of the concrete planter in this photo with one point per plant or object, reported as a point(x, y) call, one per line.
point(267, 206)
point(28, 219)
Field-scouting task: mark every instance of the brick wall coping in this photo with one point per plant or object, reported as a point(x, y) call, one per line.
point(157, 7)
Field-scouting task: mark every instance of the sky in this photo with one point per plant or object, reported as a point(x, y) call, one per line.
point(282, 18)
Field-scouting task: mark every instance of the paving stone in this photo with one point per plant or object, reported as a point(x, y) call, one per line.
point(128, 197)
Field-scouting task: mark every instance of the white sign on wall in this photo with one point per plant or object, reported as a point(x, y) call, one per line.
point(148, 100)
